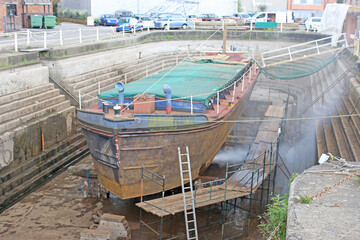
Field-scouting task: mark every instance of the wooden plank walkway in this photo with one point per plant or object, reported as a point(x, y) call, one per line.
point(238, 184)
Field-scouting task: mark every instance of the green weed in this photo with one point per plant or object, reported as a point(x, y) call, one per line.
point(306, 199)
point(275, 213)
point(292, 178)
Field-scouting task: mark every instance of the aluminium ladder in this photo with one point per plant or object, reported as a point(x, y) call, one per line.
point(188, 196)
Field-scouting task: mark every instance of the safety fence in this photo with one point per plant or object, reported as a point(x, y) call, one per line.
point(45, 38)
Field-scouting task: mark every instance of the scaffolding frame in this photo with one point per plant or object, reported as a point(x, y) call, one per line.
point(257, 178)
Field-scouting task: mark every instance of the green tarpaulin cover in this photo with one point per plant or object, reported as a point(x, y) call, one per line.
point(299, 68)
point(199, 79)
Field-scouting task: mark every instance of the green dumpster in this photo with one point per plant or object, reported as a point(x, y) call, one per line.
point(36, 21)
point(49, 21)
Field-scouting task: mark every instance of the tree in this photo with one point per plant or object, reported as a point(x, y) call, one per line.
point(262, 8)
point(239, 7)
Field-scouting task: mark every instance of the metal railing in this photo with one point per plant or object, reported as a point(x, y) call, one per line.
point(290, 52)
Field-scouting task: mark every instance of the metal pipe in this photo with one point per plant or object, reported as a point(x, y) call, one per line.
point(120, 88)
point(79, 99)
point(191, 102)
point(167, 91)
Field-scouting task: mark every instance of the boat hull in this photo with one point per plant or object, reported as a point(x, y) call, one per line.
point(156, 151)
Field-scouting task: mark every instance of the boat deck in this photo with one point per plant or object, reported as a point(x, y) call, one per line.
point(242, 183)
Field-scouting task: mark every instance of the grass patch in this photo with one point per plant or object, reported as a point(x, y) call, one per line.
point(306, 199)
point(357, 180)
point(169, 37)
point(275, 213)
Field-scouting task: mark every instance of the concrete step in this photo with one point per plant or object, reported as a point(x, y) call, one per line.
point(355, 120)
point(10, 125)
point(93, 74)
point(51, 168)
point(28, 101)
point(91, 90)
point(74, 87)
point(20, 112)
point(342, 138)
point(26, 93)
point(352, 140)
point(152, 68)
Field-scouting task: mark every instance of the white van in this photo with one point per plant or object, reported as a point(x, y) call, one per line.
point(279, 17)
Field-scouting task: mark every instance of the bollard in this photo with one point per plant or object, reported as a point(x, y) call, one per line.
point(281, 27)
point(80, 36)
point(148, 28)
point(125, 78)
point(97, 33)
point(99, 87)
point(61, 38)
point(15, 42)
point(194, 25)
point(134, 29)
point(28, 37)
point(251, 26)
point(123, 30)
point(168, 25)
point(45, 40)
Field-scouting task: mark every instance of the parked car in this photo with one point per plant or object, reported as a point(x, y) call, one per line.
point(128, 24)
point(313, 24)
point(175, 21)
point(147, 22)
point(279, 17)
point(228, 19)
point(243, 18)
point(209, 17)
point(161, 15)
point(108, 20)
point(123, 13)
point(193, 18)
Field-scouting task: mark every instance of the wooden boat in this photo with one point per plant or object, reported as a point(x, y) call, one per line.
point(207, 95)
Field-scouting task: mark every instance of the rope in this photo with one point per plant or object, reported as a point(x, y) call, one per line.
point(264, 120)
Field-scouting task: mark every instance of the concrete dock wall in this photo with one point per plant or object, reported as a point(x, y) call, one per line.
point(22, 78)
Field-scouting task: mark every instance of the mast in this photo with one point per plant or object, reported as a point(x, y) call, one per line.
point(224, 38)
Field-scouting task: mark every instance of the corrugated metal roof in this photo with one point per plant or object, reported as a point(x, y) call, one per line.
point(37, 2)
